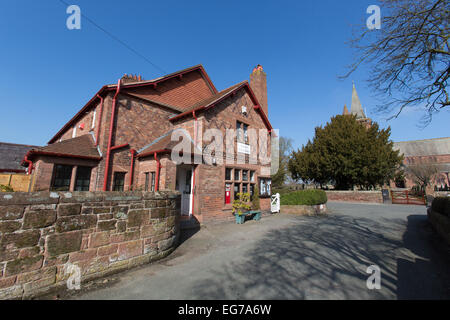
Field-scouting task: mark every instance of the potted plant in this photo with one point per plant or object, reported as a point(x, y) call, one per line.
point(242, 207)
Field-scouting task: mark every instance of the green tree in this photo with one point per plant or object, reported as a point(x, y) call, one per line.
point(347, 154)
point(284, 150)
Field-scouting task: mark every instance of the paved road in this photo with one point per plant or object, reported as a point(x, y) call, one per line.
point(290, 257)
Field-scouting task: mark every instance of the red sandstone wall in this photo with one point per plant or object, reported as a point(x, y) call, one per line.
point(355, 196)
point(99, 232)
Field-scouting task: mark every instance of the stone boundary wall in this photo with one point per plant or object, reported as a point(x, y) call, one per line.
point(304, 210)
point(440, 223)
point(355, 196)
point(42, 233)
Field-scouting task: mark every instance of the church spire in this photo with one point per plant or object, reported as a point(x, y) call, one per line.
point(356, 107)
point(345, 112)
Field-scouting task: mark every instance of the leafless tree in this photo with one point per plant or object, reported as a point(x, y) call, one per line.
point(422, 174)
point(408, 56)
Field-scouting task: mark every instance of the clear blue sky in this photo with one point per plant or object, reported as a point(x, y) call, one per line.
point(49, 72)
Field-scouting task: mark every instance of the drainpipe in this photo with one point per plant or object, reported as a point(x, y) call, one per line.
point(193, 169)
point(97, 134)
point(158, 167)
point(30, 164)
point(108, 152)
point(133, 153)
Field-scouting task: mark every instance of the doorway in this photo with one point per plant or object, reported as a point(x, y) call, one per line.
point(184, 184)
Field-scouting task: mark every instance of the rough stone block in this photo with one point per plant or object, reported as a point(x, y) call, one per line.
point(9, 226)
point(11, 212)
point(138, 217)
point(99, 239)
point(101, 210)
point(130, 249)
point(88, 254)
point(29, 252)
point(158, 213)
point(7, 282)
point(36, 275)
point(23, 265)
point(107, 250)
point(64, 243)
point(69, 209)
point(39, 219)
point(106, 225)
point(150, 203)
point(121, 226)
point(70, 223)
point(81, 197)
point(18, 240)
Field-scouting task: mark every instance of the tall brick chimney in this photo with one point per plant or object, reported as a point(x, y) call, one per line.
point(258, 83)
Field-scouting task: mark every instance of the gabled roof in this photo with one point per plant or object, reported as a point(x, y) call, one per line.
point(112, 87)
point(164, 144)
point(356, 107)
point(82, 147)
point(222, 95)
point(11, 156)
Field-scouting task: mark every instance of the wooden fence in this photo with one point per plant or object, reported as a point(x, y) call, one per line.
point(19, 182)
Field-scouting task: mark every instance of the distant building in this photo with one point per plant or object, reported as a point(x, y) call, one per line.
point(11, 156)
point(434, 152)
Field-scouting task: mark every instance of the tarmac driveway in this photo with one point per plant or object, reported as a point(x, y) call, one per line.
point(290, 257)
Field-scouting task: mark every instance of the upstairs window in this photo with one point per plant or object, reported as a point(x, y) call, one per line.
point(242, 132)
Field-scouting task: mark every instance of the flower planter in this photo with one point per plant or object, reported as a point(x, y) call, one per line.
point(240, 218)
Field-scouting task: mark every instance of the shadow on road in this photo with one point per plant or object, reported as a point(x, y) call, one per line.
point(318, 258)
point(428, 275)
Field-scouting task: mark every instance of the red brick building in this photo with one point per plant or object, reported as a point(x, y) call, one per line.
point(122, 140)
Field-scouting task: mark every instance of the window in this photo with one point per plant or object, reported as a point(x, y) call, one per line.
point(148, 182)
point(242, 132)
point(252, 191)
point(237, 188)
point(252, 176)
point(228, 173)
point(119, 181)
point(245, 188)
point(93, 119)
point(61, 177)
point(244, 175)
point(265, 187)
point(74, 132)
point(152, 185)
point(83, 179)
point(237, 174)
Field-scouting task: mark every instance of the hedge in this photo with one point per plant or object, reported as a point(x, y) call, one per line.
point(441, 205)
point(304, 197)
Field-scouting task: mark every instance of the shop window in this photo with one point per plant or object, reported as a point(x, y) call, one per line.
point(244, 175)
point(237, 174)
point(237, 188)
point(119, 181)
point(265, 187)
point(83, 179)
point(62, 175)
